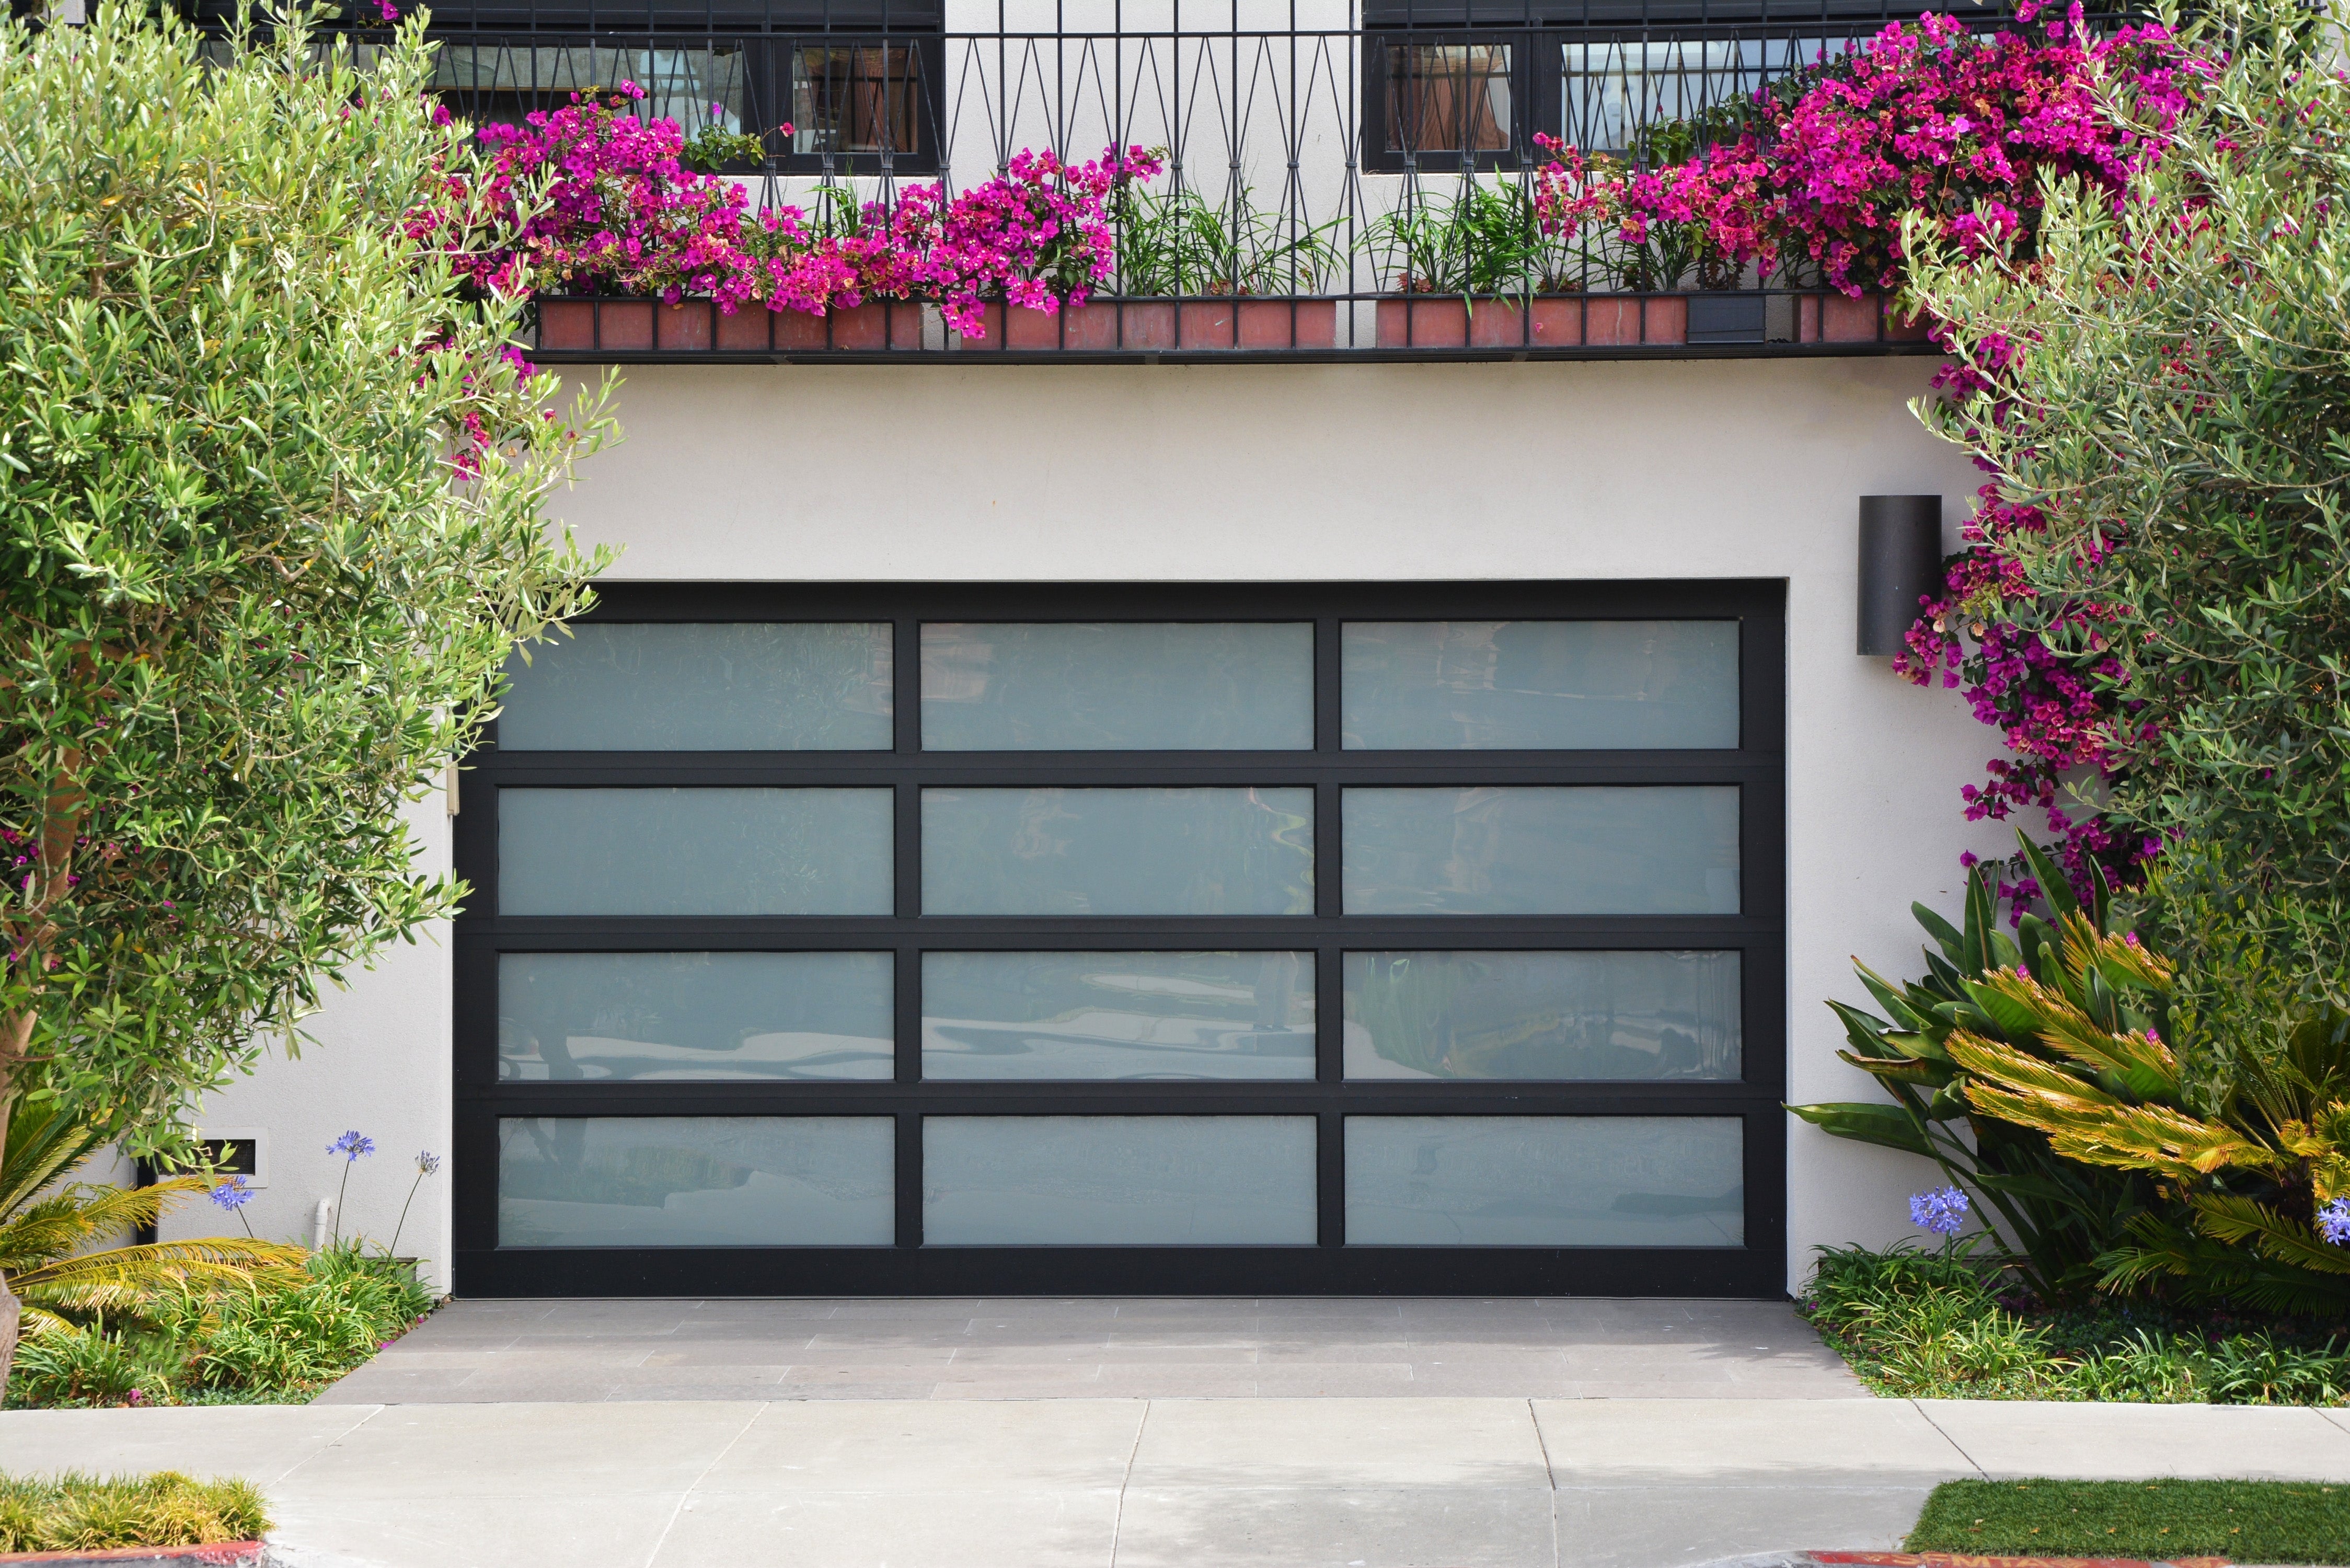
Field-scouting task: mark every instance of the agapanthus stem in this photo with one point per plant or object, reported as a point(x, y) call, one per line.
point(396, 1230)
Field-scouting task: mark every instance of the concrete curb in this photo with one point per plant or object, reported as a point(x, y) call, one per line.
point(220, 1554)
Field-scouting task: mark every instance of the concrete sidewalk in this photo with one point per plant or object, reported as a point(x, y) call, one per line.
point(1131, 1483)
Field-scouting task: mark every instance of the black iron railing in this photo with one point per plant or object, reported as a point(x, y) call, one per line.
point(1340, 177)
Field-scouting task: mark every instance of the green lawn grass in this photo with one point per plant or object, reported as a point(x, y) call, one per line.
point(2250, 1522)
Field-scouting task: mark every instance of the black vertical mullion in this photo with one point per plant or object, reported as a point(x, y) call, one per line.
point(908, 1175)
point(1330, 1178)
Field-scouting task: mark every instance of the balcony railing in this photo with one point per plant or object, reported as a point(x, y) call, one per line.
point(1351, 181)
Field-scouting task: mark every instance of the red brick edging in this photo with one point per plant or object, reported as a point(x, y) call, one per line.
point(218, 1554)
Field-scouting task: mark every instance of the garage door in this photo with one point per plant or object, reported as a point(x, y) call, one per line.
point(989, 939)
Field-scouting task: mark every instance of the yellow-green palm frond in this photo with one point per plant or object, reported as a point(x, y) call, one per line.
point(2025, 1008)
point(2122, 960)
point(2238, 1221)
point(2019, 1070)
point(35, 1319)
point(44, 1144)
point(2127, 1137)
point(67, 1223)
point(121, 1277)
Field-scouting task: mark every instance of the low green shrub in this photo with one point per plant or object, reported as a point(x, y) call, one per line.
point(2250, 1522)
point(284, 1336)
point(1921, 1324)
point(85, 1514)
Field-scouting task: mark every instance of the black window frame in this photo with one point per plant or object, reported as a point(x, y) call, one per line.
point(1755, 1268)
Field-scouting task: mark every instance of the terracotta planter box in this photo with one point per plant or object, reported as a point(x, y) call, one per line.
point(1553, 323)
point(588, 325)
point(1631, 320)
point(1423, 324)
point(894, 325)
point(1259, 324)
point(685, 325)
point(1095, 327)
point(1841, 319)
point(748, 331)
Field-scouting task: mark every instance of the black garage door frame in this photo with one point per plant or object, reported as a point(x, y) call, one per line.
point(1756, 1269)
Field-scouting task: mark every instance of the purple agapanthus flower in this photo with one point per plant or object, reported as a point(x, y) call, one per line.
point(1942, 1211)
point(2333, 1221)
point(233, 1194)
point(352, 1145)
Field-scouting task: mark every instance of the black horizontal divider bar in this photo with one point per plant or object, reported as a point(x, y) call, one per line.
point(1756, 932)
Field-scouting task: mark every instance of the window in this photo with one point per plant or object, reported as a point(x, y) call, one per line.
point(960, 938)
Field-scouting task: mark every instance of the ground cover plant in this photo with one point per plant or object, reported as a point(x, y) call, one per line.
point(74, 1512)
point(1949, 1324)
point(276, 1337)
point(2248, 1521)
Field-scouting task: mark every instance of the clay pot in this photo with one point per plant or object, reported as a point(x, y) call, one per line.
point(588, 326)
point(1841, 319)
point(747, 331)
point(1633, 320)
point(893, 325)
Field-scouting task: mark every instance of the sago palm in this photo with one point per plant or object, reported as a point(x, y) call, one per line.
point(45, 1228)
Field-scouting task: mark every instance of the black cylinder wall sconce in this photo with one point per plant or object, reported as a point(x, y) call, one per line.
point(1900, 563)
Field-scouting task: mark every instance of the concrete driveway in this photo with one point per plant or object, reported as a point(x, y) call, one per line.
point(1433, 1482)
point(1202, 1347)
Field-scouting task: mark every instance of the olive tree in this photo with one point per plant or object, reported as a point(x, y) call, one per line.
point(271, 518)
point(2166, 383)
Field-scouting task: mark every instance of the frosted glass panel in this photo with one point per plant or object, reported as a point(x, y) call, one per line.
point(1539, 684)
point(1542, 1015)
point(1156, 1016)
point(1117, 851)
point(574, 1017)
point(713, 686)
point(696, 1181)
point(693, 851)
point(1544, 1181)
point(1668, 849)
point(1118, 686)
point(1117, 1181)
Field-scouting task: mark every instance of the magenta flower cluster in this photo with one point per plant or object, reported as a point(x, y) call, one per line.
point(623, 214)
point(1926, 116)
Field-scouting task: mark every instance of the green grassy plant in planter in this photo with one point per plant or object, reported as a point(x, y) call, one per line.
point(86, 1513)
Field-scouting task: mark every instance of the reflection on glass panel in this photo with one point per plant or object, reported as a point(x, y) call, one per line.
point(572, 1017)
point(696, 1181)
point(1117, 851)
point(1448, 97)
point(1652, 849)
point(1542, 1015)
point(1433, 685)
point(856, 98)
point(1119, 686)
point(1158, 1016)
point(1545, 1181)
point(735, 686)
point(1618, 91)
point(1117, 1181)
point(500, 82)
point(693, 851)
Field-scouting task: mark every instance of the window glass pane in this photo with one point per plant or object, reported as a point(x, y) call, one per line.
point(1448, 97)
point(1620, 93)
point(1542, 1015)
point(1539, 684)
point(693, 851)
point(1664, 849)
point(1117, 851)
point(715, 687)
point(1122, 686)
point(696, 1181)
point(503, 79)
point(856, 98)
point(1117, 1181)
point(1544, 1181)
point(1165, 1016)
point(569, 1017)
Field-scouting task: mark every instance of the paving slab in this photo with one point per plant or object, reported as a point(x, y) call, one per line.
point(259, 1442)
point(1361, 1444)
point(1083, 1347)
point(1301, 1527)
point(1671, 1526)
point(2133, 1443)
point(1605, 1442)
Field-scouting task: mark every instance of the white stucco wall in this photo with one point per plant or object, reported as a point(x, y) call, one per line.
point(379, 1061)
point(1746, 468)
